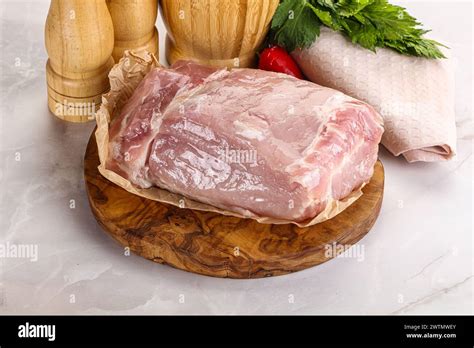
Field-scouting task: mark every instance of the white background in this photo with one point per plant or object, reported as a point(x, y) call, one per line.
point(418, 257)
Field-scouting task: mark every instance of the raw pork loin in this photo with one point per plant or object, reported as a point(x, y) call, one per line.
point(249, 141)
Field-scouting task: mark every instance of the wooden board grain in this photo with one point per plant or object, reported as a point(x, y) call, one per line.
point(218, 245)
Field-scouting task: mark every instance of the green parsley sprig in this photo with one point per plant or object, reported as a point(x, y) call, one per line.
point(369, 23)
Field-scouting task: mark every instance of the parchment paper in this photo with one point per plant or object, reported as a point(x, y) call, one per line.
point(124, 78)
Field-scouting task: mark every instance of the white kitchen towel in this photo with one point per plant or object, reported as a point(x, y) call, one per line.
point(415, 96)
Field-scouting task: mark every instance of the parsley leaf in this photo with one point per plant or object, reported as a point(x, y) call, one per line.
point(369, 23)
point(286, 25)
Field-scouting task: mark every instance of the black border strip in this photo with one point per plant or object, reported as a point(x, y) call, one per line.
point(240, 330)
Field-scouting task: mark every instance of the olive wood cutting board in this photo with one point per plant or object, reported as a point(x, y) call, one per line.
point(223, 246)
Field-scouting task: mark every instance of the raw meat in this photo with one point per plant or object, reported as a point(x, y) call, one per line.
point(249, 141)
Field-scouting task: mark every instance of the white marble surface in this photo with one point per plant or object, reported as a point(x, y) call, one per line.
point(418, 258)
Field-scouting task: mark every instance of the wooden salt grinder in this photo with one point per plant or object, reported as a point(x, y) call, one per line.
point(134, 25)
point(79, 40)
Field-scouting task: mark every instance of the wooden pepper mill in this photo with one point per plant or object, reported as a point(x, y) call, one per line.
point(79, 39)
point(134, 25)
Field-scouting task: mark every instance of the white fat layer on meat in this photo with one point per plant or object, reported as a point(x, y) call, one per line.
point(310, 179)
point(362, 167)
point(324, 111)
point(327, 112)
point(342, 166)
point(206, 171)
point(241, 181)
point(338, 131)
point(123, 123)
point(248, 132)
point(137, 175)
point(116, 150)
point(335, 149)
point(133, 147)
point(217, 75)
point(156, 121)
point(155, 158)
point(141, 179)
point(201, 131)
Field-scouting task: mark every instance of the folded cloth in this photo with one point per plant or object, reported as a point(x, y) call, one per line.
point(415, 96)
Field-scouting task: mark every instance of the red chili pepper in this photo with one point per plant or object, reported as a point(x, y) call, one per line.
point(277, 59)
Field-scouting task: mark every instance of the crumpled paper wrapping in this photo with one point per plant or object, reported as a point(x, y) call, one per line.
point(415, 96)
point(124, 78)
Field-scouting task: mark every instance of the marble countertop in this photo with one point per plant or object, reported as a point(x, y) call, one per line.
point(417, 259)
